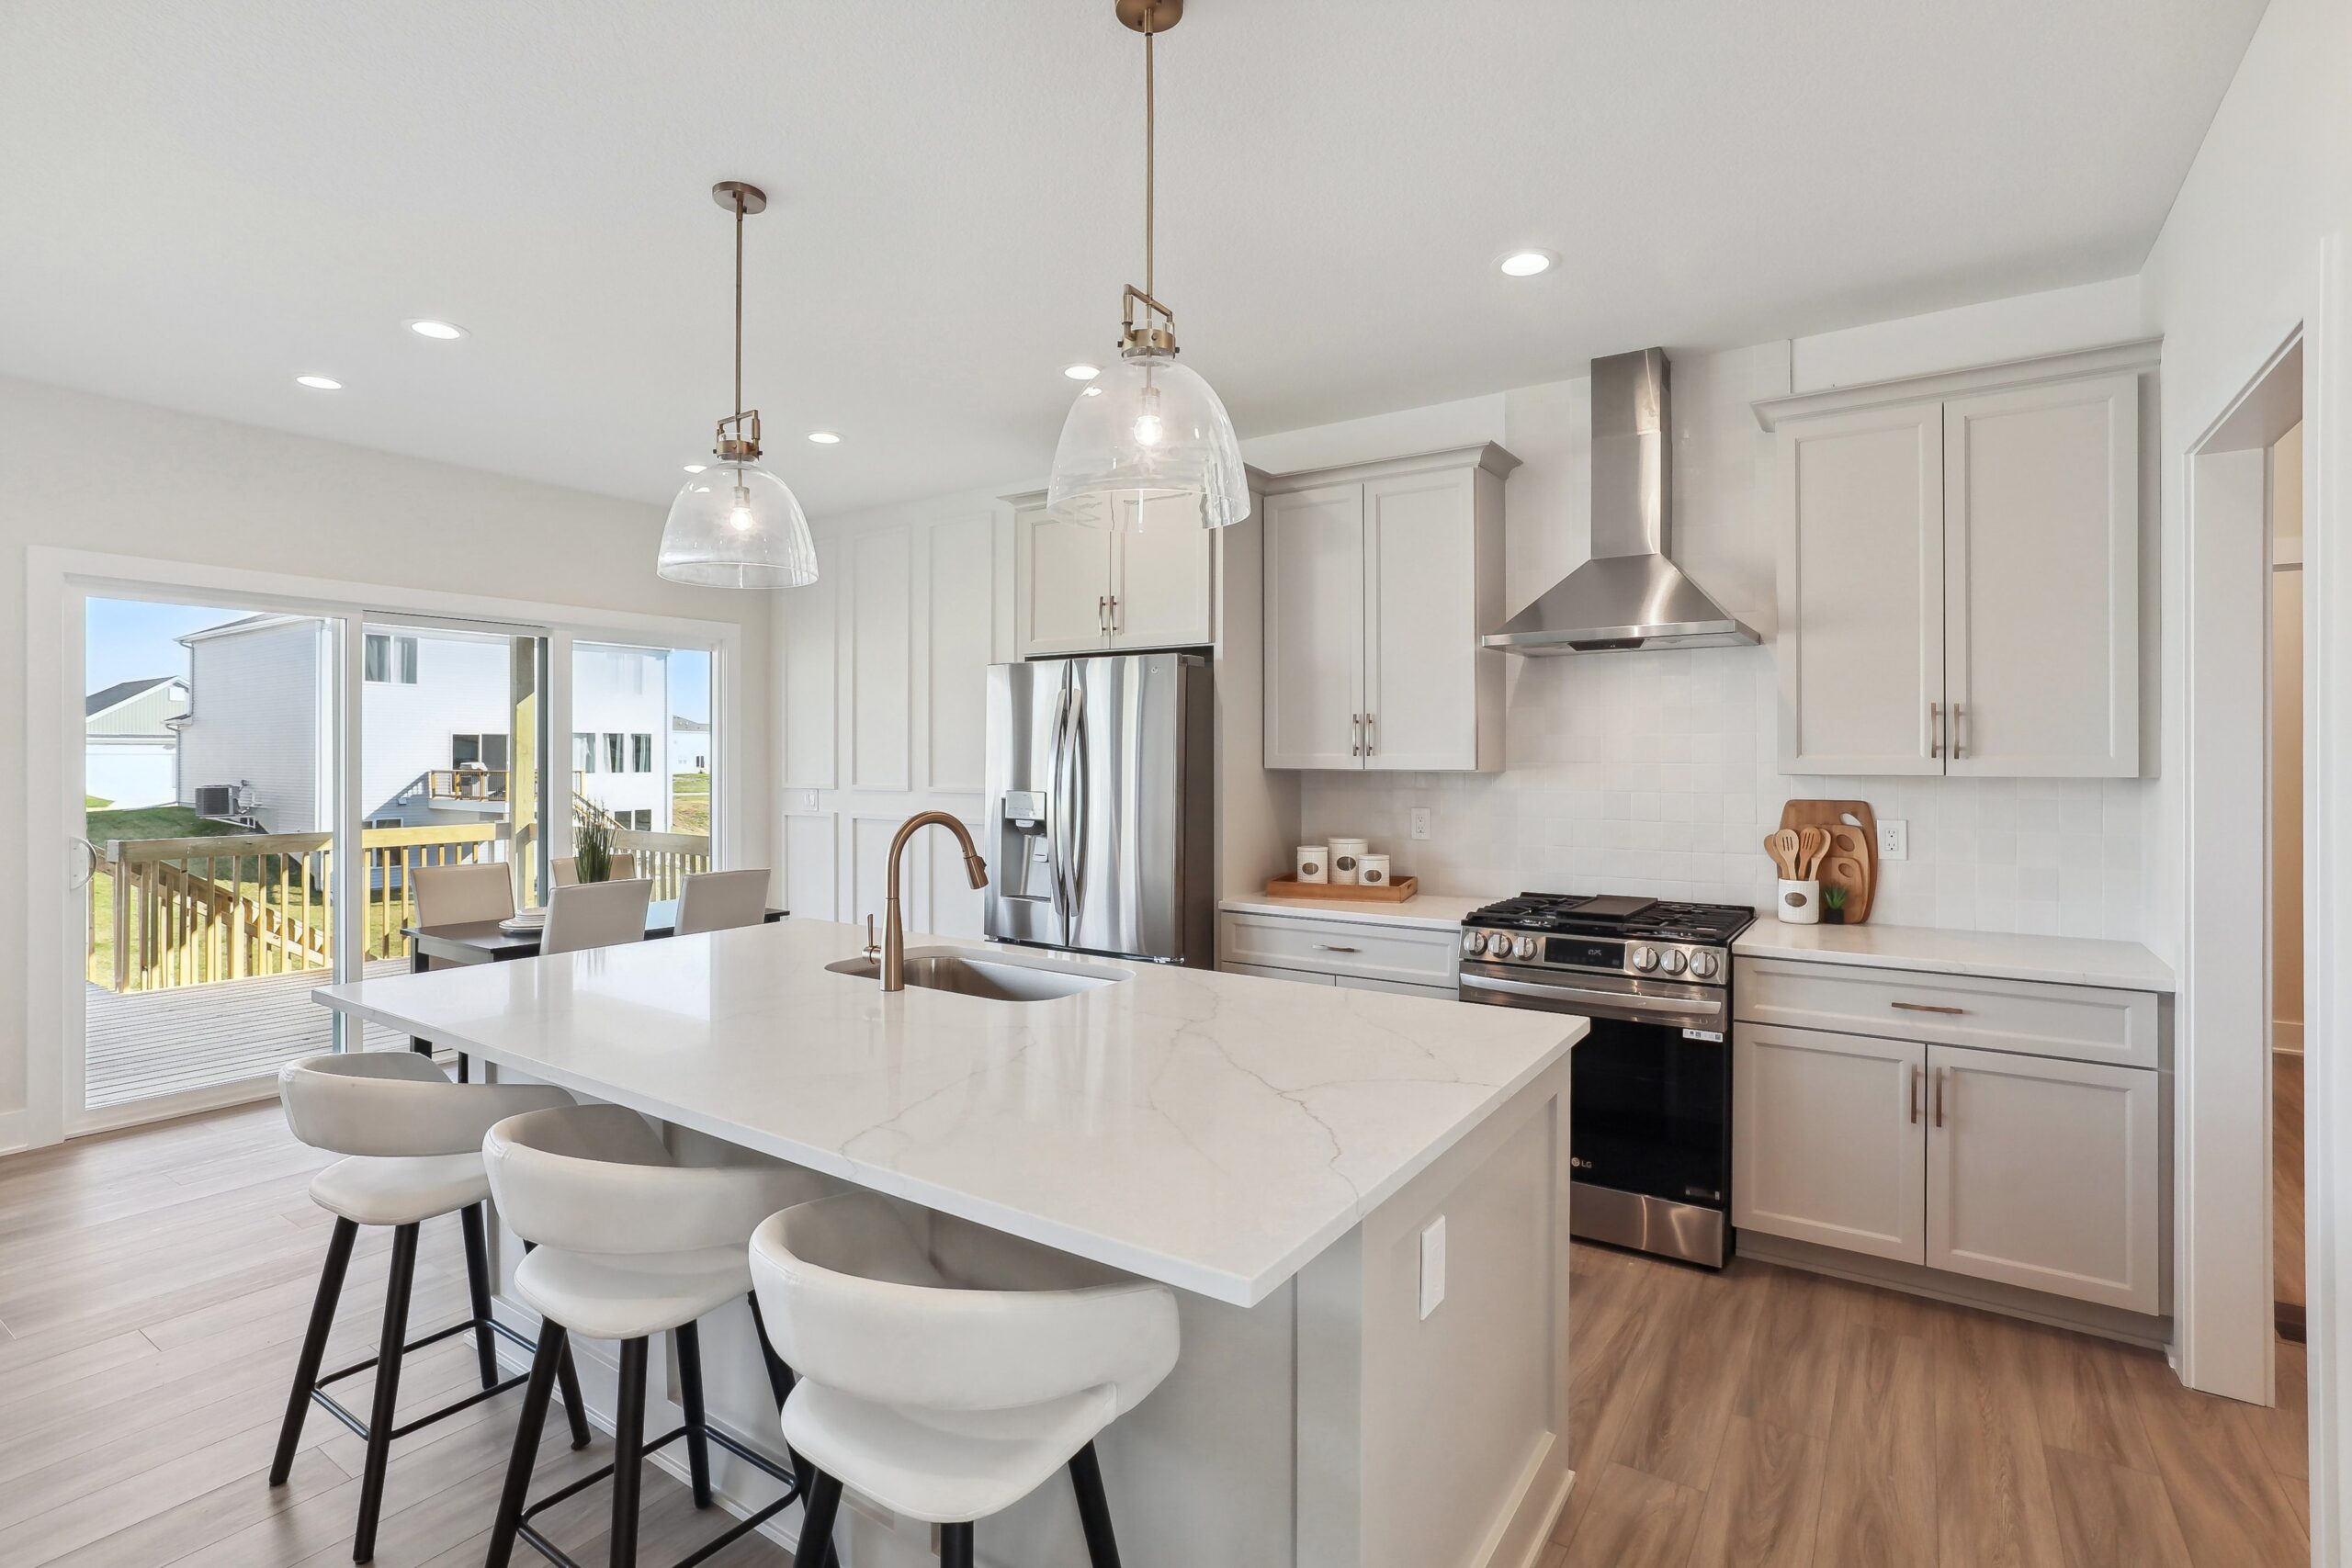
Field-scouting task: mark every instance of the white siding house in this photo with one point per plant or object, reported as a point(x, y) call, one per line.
point(431, 702)
point(130, 749)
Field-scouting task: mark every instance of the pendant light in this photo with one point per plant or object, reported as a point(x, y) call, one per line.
point(735, 525)
point(1148, 430)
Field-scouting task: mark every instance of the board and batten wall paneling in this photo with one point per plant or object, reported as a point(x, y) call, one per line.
point(869, 857)
point(881, 699)
point(957, 631)
point(807, 629)
point(811, 863)
point(951, 905)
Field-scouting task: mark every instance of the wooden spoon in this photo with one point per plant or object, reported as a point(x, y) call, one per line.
point(1785, 845)
point(1813, 843)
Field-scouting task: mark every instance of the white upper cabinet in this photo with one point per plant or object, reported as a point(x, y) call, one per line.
point(2041, 580)
point(1380, 579)
point(1149, 582)
point(1960, 571)
point(1861, 569)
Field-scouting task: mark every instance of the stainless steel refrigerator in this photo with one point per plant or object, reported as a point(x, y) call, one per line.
point(1099, 779)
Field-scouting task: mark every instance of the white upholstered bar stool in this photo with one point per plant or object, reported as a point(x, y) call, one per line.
point(629, 1243)
point(411, 1143)
point(947, 1370)
point(716, 900)
point(594, 914)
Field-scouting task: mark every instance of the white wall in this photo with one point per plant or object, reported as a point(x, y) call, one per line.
point(177, 487)
point(257, 708)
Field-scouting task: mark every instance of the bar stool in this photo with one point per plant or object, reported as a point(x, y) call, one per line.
point(412, 1146)
point(947, 1370)
point(630, 1245)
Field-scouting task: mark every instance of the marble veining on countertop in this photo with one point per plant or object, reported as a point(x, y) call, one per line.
point(1438, 911)
point(2001, 955)
point(1215, 1132)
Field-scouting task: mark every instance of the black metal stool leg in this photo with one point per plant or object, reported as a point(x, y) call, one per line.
point(1094, 1508)
point(628, 1452)
point(314, 1346)
point(554, 1350)
point(956, 1546)
point(575, 1409)
point(387, 1391)
point(780, 1381)
point(697, 1437)
point(477, 1292)
point(824, 1501)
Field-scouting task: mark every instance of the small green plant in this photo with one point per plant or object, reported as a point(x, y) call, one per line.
point(1833, 900)
point(592, 853)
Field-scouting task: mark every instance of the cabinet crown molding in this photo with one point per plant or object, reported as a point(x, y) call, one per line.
point(2136, 355)
point(1486, 456)
point(1024, 500)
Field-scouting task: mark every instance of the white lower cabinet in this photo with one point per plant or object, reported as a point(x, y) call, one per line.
point(1361, 955)
point(1827, 1140)
point(2043, 1174)
point(1266, 971)
point(2025, 1169)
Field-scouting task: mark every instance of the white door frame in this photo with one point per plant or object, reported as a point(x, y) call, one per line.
point(2222, 1298)
point(56, 581)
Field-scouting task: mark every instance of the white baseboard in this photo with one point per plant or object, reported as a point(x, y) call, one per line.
point(2287, 1036)
point(16, 1131)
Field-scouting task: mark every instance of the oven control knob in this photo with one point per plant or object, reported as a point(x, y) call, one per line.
point(1703, 965)
point(1524, 947)
point(1672, 961)
point(1474, 943)
point(1645, 959)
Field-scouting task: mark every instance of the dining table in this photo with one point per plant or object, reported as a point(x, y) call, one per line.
point(489, 942)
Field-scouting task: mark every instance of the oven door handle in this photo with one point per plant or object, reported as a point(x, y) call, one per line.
point(1694, 1012)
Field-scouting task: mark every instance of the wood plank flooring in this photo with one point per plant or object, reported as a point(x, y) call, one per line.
point(153, 1289)
point(153, 1286)
point(1770, 1418)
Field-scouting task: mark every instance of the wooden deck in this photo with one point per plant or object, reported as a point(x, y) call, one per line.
point(143, 1044)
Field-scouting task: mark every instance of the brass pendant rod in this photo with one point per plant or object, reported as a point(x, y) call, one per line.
point(739, 304)
point(1149, 126)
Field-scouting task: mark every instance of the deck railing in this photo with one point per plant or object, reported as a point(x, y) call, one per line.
point(667, 858)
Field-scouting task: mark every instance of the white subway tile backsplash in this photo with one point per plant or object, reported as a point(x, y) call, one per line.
point(1652, 774)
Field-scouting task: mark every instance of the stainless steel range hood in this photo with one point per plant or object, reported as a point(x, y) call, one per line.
point(1630, 595)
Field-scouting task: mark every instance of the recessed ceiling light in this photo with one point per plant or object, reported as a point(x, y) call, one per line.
point(319, 383)
point(1091, 393)
point(824, 438)
point(696, 468)
point(1527, 263)
point(1082, 372)
point(444, 331)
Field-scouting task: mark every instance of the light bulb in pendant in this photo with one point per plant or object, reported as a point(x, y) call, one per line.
point(1150, 432)
point(739, 516)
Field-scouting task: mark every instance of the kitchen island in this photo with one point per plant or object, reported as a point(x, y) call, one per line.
point(1359, 1198)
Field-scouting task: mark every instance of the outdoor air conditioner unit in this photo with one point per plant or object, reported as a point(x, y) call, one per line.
point(215, 800)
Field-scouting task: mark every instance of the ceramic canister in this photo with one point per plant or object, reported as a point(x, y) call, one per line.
point(1371, 871)
point(1799, 903)
point(1313, 862)
point(1345, 852)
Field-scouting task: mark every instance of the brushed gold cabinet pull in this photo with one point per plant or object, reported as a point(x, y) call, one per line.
point(1331, 947)
point(1912, 1099)
point(1925, 1007)
point(1371, 734)
point(1955, 732)
point(1935, 729)
point(1117, 618)
point(1943, 1077)
point(1357, 749)
point(1103, 615)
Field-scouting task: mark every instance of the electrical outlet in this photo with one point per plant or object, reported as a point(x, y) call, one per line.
point(1432, 1266)
point(1893, 839)
point(1420, 822)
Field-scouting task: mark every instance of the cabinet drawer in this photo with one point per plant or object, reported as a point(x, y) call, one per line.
point(1305, 976)
point(2084, 1023)
point(1338, 947)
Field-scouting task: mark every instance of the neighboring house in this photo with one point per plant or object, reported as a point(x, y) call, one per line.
point(130, 747)
point(689, 745)
point(437, 723)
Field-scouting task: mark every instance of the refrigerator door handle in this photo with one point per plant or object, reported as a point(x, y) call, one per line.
point(1054, 794)
point(1080, 785)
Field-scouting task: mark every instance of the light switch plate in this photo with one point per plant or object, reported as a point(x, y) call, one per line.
point(808, 800)
point(1893, 839)
point(1432, 1266)
point(1420, 822)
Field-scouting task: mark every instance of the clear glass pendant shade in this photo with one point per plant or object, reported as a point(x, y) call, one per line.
point(1146, 431)
point(737, 525)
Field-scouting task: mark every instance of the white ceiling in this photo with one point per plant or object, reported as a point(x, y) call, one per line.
point(203, 200)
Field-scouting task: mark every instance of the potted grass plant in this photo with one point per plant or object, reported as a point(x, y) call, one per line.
point(592, 853)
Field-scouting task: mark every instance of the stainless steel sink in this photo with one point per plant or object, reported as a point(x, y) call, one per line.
point(997, 980)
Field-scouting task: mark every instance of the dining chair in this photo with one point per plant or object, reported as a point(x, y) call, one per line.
point(714, 900)
point(464, 895)
point(624, 868)
point(594, 914)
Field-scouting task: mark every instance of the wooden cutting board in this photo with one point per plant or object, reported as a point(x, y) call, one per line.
point(1852, 860)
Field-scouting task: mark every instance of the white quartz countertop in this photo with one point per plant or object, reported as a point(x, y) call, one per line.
point(2070, 961)
point(1214, 1131)
point(1437, 911)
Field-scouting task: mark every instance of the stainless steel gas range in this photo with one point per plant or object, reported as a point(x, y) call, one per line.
point(1650, 1108)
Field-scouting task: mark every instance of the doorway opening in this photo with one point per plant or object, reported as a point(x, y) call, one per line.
point(2285, 481)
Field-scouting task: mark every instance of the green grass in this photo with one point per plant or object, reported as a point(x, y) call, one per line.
point(690, 803)
point(153, 822)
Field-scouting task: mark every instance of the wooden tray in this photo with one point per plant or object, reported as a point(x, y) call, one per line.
point(1394, 892)
point(1852, 860)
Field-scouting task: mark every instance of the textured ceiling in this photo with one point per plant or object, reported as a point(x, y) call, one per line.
point(202, 200)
